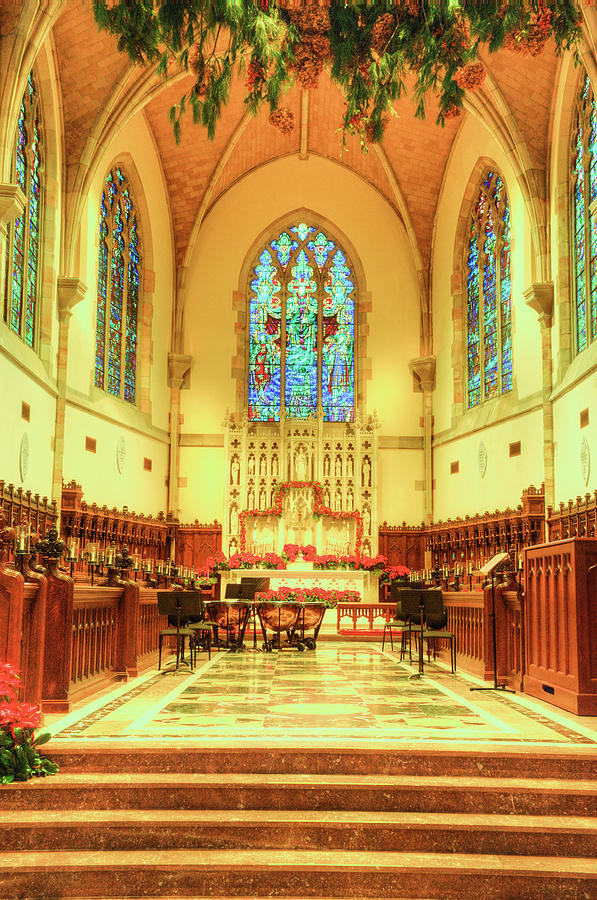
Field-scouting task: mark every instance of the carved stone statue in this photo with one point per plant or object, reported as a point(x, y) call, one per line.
point(262, 498)
point(233, 520)
point(235, 471)
point(338, 467)
point(326, 465)
point(338, 499)
point(300, 464)
point(251, 498)
point(366, 521)
point(275, 465)
point(350, 467)
point(366, 473)
point(251, 465)
point(350, 499)
point(232, 546)
point(263, 465)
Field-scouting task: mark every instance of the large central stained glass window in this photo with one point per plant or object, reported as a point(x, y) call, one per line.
point(489, 294)
point(301, 329)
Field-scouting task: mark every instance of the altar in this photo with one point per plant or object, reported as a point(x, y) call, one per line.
point(304, 575)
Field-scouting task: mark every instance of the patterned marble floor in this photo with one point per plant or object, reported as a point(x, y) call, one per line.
point(341, 694)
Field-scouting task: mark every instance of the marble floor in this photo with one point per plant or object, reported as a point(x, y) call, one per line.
point(342, 694)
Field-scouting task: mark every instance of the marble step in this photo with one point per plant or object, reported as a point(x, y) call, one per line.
point(301, 792)
point(284, 873)
point(406, 760)
point(263, 829)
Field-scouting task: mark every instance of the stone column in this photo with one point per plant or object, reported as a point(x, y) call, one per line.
point(540, 298)
point(178, 366)
point(70, 292)
point(12, 204)
point(423, 367)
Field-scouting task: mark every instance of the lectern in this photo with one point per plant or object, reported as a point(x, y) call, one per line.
point(490, 569)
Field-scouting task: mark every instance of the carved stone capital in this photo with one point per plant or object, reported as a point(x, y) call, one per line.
point(424, 369)
point(178, 366)
point(540, 298)
point(12, 202)
point(70, 292)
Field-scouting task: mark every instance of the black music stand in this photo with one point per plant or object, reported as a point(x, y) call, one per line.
point(489, 569)
point(250, 587)
point(421, 671)
point(181, 604)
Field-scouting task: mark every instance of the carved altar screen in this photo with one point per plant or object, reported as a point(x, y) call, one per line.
point(301, 329)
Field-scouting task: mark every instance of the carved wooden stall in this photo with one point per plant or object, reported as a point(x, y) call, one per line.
point(150, 537)
point(24, 506)
point(576, 518)
point(561, 625)
point(196, 542)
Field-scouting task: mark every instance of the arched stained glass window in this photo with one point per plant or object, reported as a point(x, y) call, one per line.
point(119, 267)
point(22, 258)
point(489, 294)
point(584, 192)
point(301, 329)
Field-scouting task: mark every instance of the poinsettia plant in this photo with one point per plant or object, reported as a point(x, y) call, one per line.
point(19, 756)
point(307, 551)
point(309, 595)
point(394, 573)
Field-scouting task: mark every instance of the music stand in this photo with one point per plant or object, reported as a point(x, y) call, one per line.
point(490, 568)
point(421, 671)
point(250, 587)
point(181, 604)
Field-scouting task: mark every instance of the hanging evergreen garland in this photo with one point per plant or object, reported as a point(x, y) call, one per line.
point(369, 49)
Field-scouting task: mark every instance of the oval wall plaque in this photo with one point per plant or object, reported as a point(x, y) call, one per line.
point(121, 455)
point(585, 460)
point(482, 459)
point(24, 456)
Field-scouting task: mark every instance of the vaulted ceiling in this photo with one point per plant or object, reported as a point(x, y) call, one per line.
point(101, 90)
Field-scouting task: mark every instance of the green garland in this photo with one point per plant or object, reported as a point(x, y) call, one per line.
point(368, 48)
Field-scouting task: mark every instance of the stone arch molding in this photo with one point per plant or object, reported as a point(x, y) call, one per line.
point(240, 301)
point(459, 363)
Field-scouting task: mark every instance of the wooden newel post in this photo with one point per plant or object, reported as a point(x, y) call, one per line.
point(11, 602)
point(58, 628)
point(34, 640)
point(128, 618)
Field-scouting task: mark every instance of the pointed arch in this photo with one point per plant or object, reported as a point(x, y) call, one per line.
point(482, 291)
point(118, 288)
point(23, 256)
point(337, 330)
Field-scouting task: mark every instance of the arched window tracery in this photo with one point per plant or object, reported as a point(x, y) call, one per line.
point(22, 257)
point(584, 226)
point(301, 329)
point(119, 267)
point(489, 294)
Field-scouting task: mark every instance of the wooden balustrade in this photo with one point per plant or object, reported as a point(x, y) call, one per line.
point(19, 506)
point(150, 623)
point(363, 618)
point(576, 518)
point(95, 636)
point(466, 620)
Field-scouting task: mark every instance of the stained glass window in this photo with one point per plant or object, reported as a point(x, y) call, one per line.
point(584, 195)
point(301, 329)
point(22, 257)
point(119, 266)
point(489, 294)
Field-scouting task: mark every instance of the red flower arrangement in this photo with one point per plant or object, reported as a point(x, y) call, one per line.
point(19, 758)
point(318, 510)
point(246, 560)
point(309, 595)
point(291, 551)
point(395, 573)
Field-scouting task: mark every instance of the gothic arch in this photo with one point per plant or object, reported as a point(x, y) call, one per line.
point(362, 306)
point(146, 282)
point(459, 360)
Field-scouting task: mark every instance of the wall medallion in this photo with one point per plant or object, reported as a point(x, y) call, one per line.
point(482, 459)
point(24, 456)
point(585, 460)
point(121, 455)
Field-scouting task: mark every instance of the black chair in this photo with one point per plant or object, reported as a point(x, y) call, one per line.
point(398, 621)
point(201, 629)
point(185, 606)
point(410, 601)
point(436, 621)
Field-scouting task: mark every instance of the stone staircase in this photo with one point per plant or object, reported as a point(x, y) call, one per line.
point(303, 823)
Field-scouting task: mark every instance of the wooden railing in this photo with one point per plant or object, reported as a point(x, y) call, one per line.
point(363, 618)
point(95, 635)
point(576, 518)
point(465, 620)
point(150, 623)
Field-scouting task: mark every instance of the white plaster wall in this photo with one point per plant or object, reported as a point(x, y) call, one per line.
point(569, 481)
point(16, 386)
point(96, 413)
